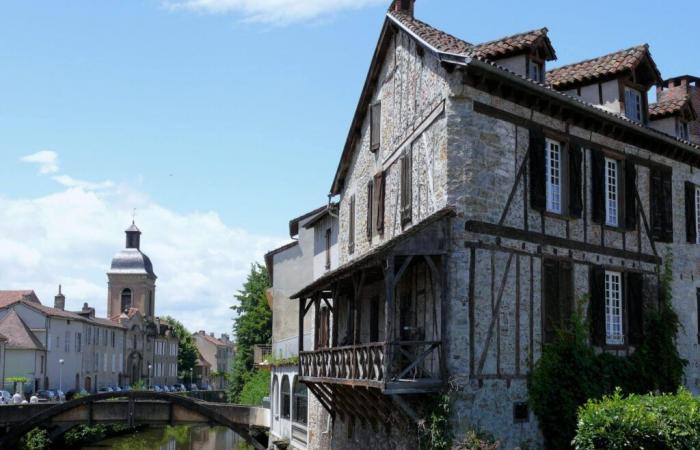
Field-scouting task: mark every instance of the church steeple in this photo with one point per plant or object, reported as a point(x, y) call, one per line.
point(133, 236)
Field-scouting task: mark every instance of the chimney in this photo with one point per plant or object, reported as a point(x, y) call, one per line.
point(211, 334)
point(202, 333)
point(87, 311)
point(59, 301)
point(405, 6)
point(224, 337)
point(679, 87)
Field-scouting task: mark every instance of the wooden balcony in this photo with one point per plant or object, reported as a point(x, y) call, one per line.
point(408, 367)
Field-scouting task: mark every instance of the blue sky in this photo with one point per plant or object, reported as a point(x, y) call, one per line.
point(216, 116)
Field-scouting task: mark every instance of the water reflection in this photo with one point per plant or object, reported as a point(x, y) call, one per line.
point(173, 438)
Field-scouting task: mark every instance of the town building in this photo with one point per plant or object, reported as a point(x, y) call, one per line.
point(312, 253)
point(482, 198)
point(215, 358)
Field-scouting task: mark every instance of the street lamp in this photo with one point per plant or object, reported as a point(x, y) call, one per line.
point(60, 375)
point(149, 376)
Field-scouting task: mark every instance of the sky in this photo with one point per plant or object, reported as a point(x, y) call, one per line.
point(218, 121)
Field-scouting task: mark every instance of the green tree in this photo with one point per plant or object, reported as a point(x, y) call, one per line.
point(186, 349)
point(252, 326)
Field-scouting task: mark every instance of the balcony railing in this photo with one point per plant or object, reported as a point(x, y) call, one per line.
point(410, 362)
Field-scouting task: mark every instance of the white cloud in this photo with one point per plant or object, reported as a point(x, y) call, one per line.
point(46, 159)
point(68, 181)
point(70, 237)
point(273, 11)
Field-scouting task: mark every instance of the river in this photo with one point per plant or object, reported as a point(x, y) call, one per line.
point(174, 438)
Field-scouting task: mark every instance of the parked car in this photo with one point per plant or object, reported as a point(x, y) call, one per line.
point(104, 389)
point(46, 395)
point(116, 389)
point(60, 396)
point(166, 388)
point(157, 388)
point(5, 397)
point(126, 388)
point(181, 387)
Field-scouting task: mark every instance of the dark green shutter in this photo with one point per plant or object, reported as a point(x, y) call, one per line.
point(668, 206)
point(575, 177)
point(538, 189)
point(690, 213)
point(635, 307)
point(596, 307)
point(630, 195)
point(597, 187)
point(552, 313)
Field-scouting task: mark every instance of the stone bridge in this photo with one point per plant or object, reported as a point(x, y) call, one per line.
point(133, 408)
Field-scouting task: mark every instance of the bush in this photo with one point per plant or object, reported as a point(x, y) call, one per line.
point(665, 421)
point(36, 439)
point(256, 387)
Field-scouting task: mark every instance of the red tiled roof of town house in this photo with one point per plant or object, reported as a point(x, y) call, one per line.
point(601, 67)
point(670, 106)
point(8, 297)
point(517, 43)
point(18, 335)
point(438, 39)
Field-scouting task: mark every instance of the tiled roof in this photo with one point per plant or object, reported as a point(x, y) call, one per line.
point(438, 39)
point(668, 107)
point(510, 45)
point(214, 340)
point(593, 69)
point(18, 335)
point(8, 297)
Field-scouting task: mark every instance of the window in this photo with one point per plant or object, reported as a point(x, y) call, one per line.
point(126, 299)
point(351, 226)
point(78, 344)
point(328, 249)
point(370, 204)
point(535, 71)
point(41, 365)
point(300, 402)
point(661, 207)
point(286, 406)
point(67, 342)
point(88, 336)
point(58, 343)
point(375, 126)
point(633, 104)
point(150, 303)
point(682, 129)
point(558, 297)
point(113, 339)
point(613, 308)
point(611, 192)
point(406, 187)
point(275, 400)
point(553, 157)
point(104, 362)
point(378, 203)
point(48, 343)
point(114, 362)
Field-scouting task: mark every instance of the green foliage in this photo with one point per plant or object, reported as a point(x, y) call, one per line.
point(569, 372)
point(252, 326)
point(665, 421)
point(435, 432)
point(256, 387)
point(278, 362)
point(478, 441)
point(186, 348)
point(17, 380)
point(36, 439)
point(139, 385)
point(84, 434)
point(244, 446)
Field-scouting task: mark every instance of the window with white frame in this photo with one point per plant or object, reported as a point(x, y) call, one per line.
point(613, 308)
point(554, 175)
point(535, 71)
point(633, 104)
point(611, 191)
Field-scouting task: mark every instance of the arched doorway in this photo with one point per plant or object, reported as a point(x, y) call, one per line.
point(88, 384)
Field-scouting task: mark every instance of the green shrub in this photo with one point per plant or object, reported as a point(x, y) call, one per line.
point(36, 439)
point(665, 421)
point(434, 430)
point(256, 387)
point(478, 441)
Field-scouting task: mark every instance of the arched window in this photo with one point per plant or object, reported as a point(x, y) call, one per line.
point(300, 402)
point(286, 399)
point(126, 299)
point(275, 398)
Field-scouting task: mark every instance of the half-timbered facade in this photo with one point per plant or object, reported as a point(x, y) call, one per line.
point(481, 200)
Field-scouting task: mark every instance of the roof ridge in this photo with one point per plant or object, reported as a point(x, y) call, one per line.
point(523, 33)
point(636, 47)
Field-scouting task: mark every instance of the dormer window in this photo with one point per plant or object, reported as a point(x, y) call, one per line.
point(535, 71)
point(633, 104)
point(682, 129)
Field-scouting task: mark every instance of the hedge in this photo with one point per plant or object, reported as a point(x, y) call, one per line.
point(650, 422)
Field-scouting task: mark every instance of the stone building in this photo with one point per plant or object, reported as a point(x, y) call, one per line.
point(481, 198)
point(215, 358)
point(297, 418)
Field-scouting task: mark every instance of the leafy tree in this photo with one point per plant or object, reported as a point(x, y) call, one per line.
point(256, 388)
point(186, 349)
point(252, 326)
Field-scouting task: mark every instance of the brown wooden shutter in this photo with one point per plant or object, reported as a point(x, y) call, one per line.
point(597, 187)
point(380, 193)
point(596, 308)
point(630, 195)
point(370, 209)
point(633, 288)
point(406, 187)
point(690, 213)
point(660, 194)
point(538, 189)
point(375, 126)
point(552, 314)
point(575, 178)
point(351, 226)
point(566, 292)
point(668, 206)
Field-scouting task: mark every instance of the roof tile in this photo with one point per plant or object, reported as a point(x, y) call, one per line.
point(668, 106)
point(18, 335)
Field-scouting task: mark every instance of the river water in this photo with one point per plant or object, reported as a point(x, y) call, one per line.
point(174, 438)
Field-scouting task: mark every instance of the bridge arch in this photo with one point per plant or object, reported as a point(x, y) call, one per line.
point(44, 417)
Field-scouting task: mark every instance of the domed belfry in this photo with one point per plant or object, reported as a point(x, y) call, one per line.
point(132, 283)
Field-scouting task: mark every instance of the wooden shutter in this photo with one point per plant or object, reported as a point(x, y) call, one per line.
point(633, 288)
point(596, 308)
point(351, 226)
point(380, 193)
point(630, 195)
point(668, 206)
point(552, 314)
point(690, 213)
point(406, 187)
point(660, 193)
point(375, 126)
point(697, 311)
point(575, 178)
point(370, 209)
point(538, 189)
point(597, 187)
point(566, 292)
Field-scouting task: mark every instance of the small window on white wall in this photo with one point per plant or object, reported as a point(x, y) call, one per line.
point(633, 104)
point(554, 166)
point(611, 192)
point(535, 71)
point(613, 309)
point(682, 129)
